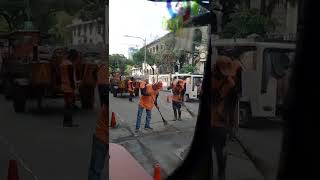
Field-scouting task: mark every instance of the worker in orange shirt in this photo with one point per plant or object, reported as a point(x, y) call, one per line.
point(100, 147)
point(102, 82)
point(177, 97)
point(131, 88)
point(148, 100)
point(226, 82)
point(68, 86)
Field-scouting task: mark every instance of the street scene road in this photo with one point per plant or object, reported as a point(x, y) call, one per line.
point(40, 144)
point(167, 145)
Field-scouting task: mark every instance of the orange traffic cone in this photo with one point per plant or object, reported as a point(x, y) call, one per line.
point(113, 120)
point(157, 173)
point(13, 170)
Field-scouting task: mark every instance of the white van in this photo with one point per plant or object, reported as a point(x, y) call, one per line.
point(266, 70)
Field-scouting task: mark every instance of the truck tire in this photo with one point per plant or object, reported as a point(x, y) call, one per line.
point(244, 116)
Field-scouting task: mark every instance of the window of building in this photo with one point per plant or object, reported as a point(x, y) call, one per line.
point(85, 41)
point(157, 48)
point(90, 41)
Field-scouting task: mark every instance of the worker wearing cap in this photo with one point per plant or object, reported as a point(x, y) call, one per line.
point(130, 88)
point(147, 101)
point(67, 86)
point(226, 82)
point(177, 98)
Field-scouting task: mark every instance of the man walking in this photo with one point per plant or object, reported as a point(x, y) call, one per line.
point(67, 86)
point(147, 101)
point(226, 87)
point(131, 88)
point(177, 98)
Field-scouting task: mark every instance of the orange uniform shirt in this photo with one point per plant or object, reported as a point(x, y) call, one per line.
point(147, 102)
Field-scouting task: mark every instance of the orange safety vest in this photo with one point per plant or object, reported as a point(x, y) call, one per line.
point(130, 88)
point(222, 116)
point(177, 91)
point(102, 126)
point(147, 102)
point(65, 79)
point(102, 78)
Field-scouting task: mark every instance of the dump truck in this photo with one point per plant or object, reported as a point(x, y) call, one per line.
point(32, 72)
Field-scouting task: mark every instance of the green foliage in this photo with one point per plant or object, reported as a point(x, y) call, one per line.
point(58, 30)
point(119, 63)
point(93, 10)
point(116, 62)
point(4, 27)
point(138, 57)
point(246, 22)
point(127, 69)
point(15, 13)
point(188, 68)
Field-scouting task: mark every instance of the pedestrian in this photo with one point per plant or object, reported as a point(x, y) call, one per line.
point(67, 86)
point(131, 88)
point(75, 57)
point(102, 82)
point(148, 100)
point(100, 147)
point(177, 97)
point(226, 88)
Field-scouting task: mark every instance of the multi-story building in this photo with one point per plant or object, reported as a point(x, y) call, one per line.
point(158, 44)
point(131, 52)
point(86, 32)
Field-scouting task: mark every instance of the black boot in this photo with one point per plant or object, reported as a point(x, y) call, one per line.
point(179, 111)
point(175, 115)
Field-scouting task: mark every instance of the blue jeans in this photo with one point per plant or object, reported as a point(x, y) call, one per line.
point(148, 117)
point(98, 159)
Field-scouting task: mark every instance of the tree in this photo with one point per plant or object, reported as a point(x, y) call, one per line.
point(116, 62)
point(4, 27)
point(138, 57)
point(58, 30)
point(94, 10)
point(246, 22)
point(15, 13)
point(119, 63)
point(188, 68)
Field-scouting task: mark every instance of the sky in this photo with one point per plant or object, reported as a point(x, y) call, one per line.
point(135, 18)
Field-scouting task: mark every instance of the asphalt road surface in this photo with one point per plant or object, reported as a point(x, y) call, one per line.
point(167, 145)
point(44, 149)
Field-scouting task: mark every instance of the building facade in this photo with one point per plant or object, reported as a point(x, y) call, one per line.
point(131, 52)
point(86, 32)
